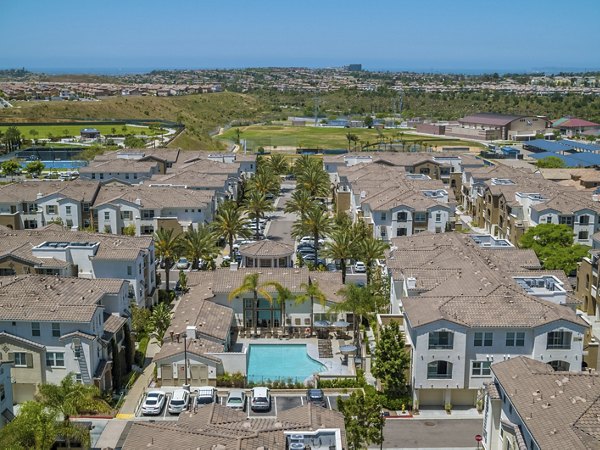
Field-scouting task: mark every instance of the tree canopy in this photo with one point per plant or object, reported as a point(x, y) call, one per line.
point(391, 361)
point(551, 162)
point(363, 419)
point(553, 245)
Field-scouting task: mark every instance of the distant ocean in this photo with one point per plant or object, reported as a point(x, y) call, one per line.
point(141, 70)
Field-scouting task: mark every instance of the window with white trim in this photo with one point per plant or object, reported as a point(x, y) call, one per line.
point(559, 340)
point(481, 369)
point(483, 339)
point(515, 339)
point(55, 359)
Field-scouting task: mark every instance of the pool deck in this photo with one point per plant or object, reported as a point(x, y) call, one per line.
point(334, 366)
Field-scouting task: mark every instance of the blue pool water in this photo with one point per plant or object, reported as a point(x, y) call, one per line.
point(60, 164)
point(280, 362)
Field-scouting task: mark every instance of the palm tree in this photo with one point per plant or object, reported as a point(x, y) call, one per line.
point(302, 163)
point(300, 202)
point(199, 244)
point(278, 165)
point(369, 250)
point(251, 285)
point(311, 291)
point(315, 180)
point(160, 320)
point(283, 295)
point(264, 182)
point(340, 247)
point(230, 223)
point(359, 301)
point(70, 398)
point(316, 223)
point(168, 246)
point(257, 205)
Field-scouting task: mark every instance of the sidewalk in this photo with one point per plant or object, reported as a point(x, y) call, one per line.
point(134, 395)
point(468, 220)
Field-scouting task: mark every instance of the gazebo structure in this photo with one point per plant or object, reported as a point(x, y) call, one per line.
point(267, 253)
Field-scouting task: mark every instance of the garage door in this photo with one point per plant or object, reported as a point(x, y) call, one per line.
point(431, 397)
point(464, 397)
point(199, 374)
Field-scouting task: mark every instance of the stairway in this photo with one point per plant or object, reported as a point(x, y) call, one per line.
point(325, 350)
point(83, 367)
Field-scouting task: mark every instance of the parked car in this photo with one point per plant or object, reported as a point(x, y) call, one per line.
point(306, 246)
point(179, 402)
point(261, 399)
point(236, 399)
point(360, 267)
point(154, 403)
point(183, 263)
point(206, 395)
point(316, 397)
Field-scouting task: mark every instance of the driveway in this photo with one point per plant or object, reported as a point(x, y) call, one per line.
point(280, 227)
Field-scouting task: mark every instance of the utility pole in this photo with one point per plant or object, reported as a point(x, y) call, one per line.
point(316, 99)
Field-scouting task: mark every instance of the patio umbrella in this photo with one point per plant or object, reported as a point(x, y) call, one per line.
point(341, 324)
point(322, 324)
point(345, 349)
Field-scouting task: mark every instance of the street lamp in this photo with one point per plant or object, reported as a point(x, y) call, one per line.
point(382, 423)
point(185, 364)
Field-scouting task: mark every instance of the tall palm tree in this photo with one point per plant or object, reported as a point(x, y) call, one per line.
point(302, 163)
point(300, 202)
point(252, 285)
point(369, 250)
point(315, 180)
point(358, 300)
point(316, 223)
point(199, 244)
point(265, 182)
point(70, 398)
point(340, 247)
point(230, 223)
point(283, 295)
point(168, 246)
point(278, 164)
point(311, 291)
point(257, 205)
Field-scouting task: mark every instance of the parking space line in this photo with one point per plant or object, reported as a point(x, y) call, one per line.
point(302, 400)
point(275, 406)
point(329, 402)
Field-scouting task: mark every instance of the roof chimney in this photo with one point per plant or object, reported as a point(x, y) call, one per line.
point(138, 201)
point(411, 283)
point(233, 266)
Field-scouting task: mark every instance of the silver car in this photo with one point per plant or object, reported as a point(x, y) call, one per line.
point(236, 399)
point(261, 399)
point(179, 402)
point(154, 403)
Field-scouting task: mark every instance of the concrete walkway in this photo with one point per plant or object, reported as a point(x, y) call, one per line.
point(468, 222)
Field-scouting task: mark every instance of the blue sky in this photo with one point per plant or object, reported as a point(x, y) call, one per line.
point(436, 35)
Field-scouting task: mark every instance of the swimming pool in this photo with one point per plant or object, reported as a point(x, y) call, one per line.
point(280, 362)
point(60, 164)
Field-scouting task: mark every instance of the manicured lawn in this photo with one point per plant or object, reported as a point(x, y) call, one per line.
point(323, 137)
point(73, 130)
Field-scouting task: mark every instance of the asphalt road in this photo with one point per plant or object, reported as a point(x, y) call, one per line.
point(280, 227)
point(431, 433)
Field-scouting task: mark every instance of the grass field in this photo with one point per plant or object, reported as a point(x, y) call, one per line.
point(200, 113)
point(323, 137)
point(44, 131)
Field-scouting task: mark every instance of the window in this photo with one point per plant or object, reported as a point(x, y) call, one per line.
point(582, 236)
point(481, 369)
point(483, 339)
point(35, 328)
point(129, 270)
point(402, 216)
point(68, 210)
point(383, 216)
point(584, 220)
point(102, 176)
point(50, 209)
point(560, 366)
point(20, 359)
point(127, 176)
point(147, 214)
point(383, 231)
point(86, 207)
point(565, 220)
point(93, 176)
point(549, 219)
point(420, 217)
point(55, 359)
point(56, 329)
point(515, 339)
point(438, 217)
point(559, 340)
point(439, 370)
point(107, 215)
point(126, 215)
point(401, 232)
point(441, 340)
point(2, 392)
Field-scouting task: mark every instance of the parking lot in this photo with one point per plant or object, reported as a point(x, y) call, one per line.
point(279, 403)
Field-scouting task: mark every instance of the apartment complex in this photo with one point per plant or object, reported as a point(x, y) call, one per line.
point(54, 251)
point(507, 201)
point(51, 326)
point(530, 406)
point(469, 301)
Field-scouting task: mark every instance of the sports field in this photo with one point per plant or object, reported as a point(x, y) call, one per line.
point(330, 138)
point(70, 130)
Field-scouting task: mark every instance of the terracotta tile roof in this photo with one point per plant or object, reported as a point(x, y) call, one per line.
point(266, 248)
point(27, 191)
point(198, 346)
point(159, 197)
point(120, 165)
point(113, 323)
point(560, 409)
point(218, 427)
point(47, 298)
point(211, 319)
point(490, 119)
